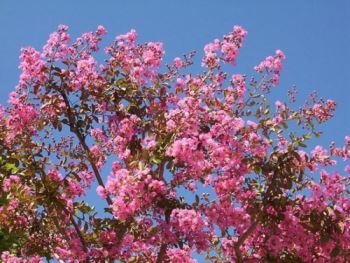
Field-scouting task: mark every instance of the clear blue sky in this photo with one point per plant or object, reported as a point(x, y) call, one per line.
point(314, 34)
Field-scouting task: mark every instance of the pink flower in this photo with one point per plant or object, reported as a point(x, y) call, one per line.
point(319, 153)
point(149, 143)
point(153, 54)
point(347, 169)
point(347, 140)
point(101, 30)
point(101, 191)
point(252, 124)
point(177, 63)
point(55, 176)
point(280, 106)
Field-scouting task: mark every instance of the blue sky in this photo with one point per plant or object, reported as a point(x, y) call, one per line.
point(314, 35)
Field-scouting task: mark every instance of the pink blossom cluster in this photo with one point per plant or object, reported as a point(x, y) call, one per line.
point(57, 46)
point(190, 224)
point(228, 47)
point(32, 68)
point(273, 65)
point(177, 255)
point(22, 118)
point(133, 192)
point(140, 61)
point(323, 112)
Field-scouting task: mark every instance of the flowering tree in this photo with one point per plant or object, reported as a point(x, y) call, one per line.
point(252, 193)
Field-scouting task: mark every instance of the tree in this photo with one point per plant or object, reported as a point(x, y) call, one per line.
point(252, 193)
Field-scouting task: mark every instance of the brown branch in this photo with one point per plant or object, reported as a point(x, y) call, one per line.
point(75, 130)
point(241, 240)
point(161, 253)
point(54, 218)
point(163, 247)
point(58, 226)
point(92, 163)
point(82, 142)
point(80, 235)
point(60, 229)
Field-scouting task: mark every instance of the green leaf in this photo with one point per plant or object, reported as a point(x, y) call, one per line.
point(11, 167)
point(301, 144)
point(335, 252)
point(155, 160)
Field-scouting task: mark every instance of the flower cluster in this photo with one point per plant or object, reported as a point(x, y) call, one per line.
point(272, 64)
point(228, 47)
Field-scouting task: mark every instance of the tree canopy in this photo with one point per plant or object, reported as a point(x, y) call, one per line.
point(198, 163)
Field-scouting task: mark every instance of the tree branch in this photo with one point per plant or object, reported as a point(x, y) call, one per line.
point(162, 252)
point(76, 227)
point(241, 240)
point(163, 247)
point(75, 130)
